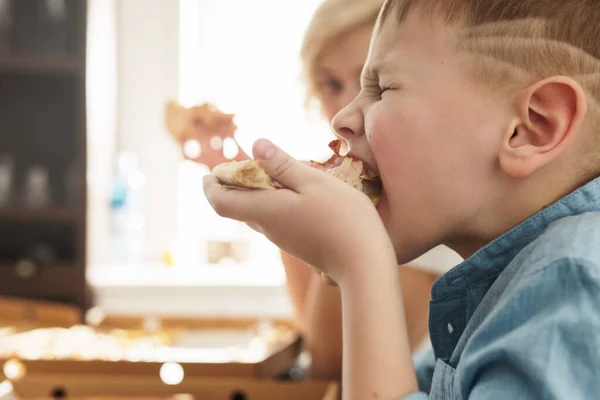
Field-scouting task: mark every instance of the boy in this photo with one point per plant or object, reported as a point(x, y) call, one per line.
point(481, 117)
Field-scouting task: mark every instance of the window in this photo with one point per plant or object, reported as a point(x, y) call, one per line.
point(244, 58)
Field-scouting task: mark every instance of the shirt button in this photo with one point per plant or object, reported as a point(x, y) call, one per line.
point(450, 329)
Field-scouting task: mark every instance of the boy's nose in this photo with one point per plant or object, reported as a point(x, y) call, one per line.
point(349, 122)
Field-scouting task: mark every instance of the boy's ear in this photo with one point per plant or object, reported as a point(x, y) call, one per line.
point(549, 116)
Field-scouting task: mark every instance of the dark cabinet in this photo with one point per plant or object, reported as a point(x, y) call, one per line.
point(43, 150)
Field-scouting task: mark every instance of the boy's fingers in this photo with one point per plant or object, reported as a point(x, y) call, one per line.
point(245, 205)
point(226, 202)
point(289, 172)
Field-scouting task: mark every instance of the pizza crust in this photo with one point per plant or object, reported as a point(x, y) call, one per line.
point(248, 174)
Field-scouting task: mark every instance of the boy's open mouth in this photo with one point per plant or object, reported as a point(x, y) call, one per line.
point(250, 174)
point(352, 171)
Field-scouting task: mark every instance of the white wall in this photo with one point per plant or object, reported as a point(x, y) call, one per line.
point(101, 117)
point(148, 76)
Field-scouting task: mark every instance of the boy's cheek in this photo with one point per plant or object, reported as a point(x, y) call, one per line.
point(390, 139)
point(380, 127)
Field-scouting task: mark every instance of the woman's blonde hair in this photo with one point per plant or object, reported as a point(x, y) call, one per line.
point(332, 19)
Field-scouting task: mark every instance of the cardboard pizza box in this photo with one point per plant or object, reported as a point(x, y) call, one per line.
point(213, 348)
point(124, 387)
point(24, 313)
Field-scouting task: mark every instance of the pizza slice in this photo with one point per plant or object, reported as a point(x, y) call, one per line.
point(250, 174)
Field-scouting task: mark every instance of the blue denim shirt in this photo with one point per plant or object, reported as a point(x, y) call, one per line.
point(520, 319)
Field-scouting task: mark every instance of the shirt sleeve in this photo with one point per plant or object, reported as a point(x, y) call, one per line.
point(541, 341)
point(424, 363)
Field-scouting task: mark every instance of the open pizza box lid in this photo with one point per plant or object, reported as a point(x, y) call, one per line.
point(242, 348)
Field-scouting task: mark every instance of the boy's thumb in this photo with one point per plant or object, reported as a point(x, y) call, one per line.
point(289, 172)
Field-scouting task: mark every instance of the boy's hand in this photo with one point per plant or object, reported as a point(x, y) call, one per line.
point(317, 218)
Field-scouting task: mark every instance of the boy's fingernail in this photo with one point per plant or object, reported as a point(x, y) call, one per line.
point(264, 149)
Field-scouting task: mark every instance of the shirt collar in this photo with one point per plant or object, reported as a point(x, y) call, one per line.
point(493, 258)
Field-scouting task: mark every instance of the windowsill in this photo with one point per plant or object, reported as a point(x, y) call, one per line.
point(160, 275)
point(212, 290)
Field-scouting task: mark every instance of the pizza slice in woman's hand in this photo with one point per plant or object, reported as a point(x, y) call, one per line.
point(201, 132)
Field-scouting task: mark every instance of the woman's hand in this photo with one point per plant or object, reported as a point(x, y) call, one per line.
point(317, 218)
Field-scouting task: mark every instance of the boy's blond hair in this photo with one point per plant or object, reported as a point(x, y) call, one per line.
point(522, 41)
point(331, 20)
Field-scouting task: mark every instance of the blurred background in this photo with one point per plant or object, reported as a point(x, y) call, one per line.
point(97, 205)
point(112, 263)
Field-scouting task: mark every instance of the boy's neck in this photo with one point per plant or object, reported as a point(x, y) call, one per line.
point(514, 203)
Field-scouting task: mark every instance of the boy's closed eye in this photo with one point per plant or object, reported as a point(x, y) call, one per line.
point(385, 88)
point(376, 90)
